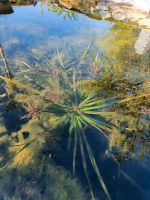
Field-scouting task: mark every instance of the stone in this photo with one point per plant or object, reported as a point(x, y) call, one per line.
point(138, 16)
point(143, 5)
point(114, 7)
point(121, 10)
point(119, 16)
point(102, 7)
point(121, 13)
point(143, 42)
point(105, 14)
point(95, 13)
point(94, 10)
point(125, 15)
point(145, 22)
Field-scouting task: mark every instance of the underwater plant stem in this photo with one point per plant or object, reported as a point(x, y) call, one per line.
point(7, 71)
point(85, 164)
point(94, 164)
point(93, 124)
point(75, 151)
point(12, 159)
point(75, 88)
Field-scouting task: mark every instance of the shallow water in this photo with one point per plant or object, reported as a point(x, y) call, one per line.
point(33, 33)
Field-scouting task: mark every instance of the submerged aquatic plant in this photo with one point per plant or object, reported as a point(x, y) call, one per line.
point(39, 180)
point(32, 110)
point(72, 109)
point(62, 97)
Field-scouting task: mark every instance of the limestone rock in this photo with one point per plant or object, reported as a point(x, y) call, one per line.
point(101, 6)
point(143, 42)
point(145, 22)
point(94, 10)
point(105, 14)
point(143, 5)
point(119, 16)
point(138, 16)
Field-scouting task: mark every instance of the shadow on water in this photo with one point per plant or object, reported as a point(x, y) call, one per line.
point(6, 9)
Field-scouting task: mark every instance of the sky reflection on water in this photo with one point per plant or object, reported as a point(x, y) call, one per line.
point(33, 31)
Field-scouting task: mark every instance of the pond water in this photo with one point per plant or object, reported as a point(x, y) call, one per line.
point(41, 34)
point(24, 35)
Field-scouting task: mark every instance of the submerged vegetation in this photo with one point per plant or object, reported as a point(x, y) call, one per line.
point(62, 103)
point(72, 126)
point(40, 180)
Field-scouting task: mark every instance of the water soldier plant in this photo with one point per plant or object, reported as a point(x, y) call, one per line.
point(61, 97)
point(56, 94)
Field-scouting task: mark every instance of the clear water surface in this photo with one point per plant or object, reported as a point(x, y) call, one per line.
point(33, 31)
